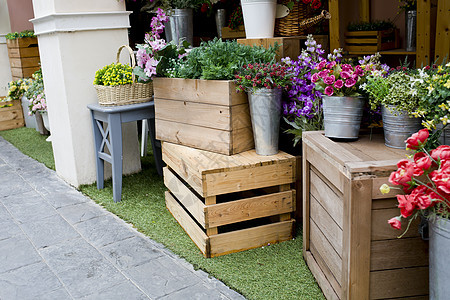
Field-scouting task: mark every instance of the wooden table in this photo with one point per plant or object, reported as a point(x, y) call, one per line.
point(347, 243)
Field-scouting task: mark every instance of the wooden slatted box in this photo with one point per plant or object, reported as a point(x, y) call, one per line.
point(11, 115)
point(230, 203)
point(204, 114)
point(23, 57)
point(347, 243)
point(371, 41)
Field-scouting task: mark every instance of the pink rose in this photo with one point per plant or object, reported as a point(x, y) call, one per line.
point(395, 223)
point(350, 82)
point(323, 73)
point(345, 75)
point(347, 68)
point(404, 173)
point(417, 139)
point(443, 152)
point(338, 84)
point(321, 65)
point(329, 90)
point(442, 180)
point(329, 80)
point(315, 77)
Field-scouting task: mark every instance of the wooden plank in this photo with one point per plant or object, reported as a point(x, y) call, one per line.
point(24, 72)
point(285, 216)
point(442, 45)
point(23, 52)
point(242, 140)
point(221, 92)
point(381, 230)
point(327, 251)
point(356, 239)
point(299, 191)
point(327, 197)
point(362, 33)
point(384, 203)
point(250, 208)
point(371, 166)
point(24, 62)
point(398, 253)
point(335, 39)
point(249, 238)
point(193, 113)
point(210, 139)
point(25, 42)
point(228, 33)
point(399, 283)
point(364, 10)
point(306, 172)
point(423, 38)
point(185, 196)
point(361, 48)
point(10, 115)
point(326, 224)
point(331, 280)
point(191, 228)
point(210, 230)
point(240, 116)
point(11, 124)
point(377, 183)
point(247, 179)
point(320, 277)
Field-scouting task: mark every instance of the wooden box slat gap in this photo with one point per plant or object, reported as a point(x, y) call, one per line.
point(329, 280)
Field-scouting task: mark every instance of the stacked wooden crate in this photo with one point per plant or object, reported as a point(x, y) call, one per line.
point(11, 115)
point(225, 196)
point(23, 57)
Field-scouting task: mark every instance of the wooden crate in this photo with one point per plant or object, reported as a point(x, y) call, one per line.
point(289, 46)
point(347, 243)
point(230, 203)
point(204, 114)
point(371, 41)
point(23, 57)
point(228, 33)
point(11, 115)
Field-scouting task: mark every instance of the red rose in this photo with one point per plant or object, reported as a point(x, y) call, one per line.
point(442, 180)
point(404, 173)
point(421, 196)
point(395, 223)
point(443, 152)
point(417, 139)
point(204, 7)
point(406, 204)
point(422, 162)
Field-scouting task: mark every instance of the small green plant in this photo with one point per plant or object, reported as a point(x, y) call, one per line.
point(371, 26)
point(114, 74)
point(22, 34)
point(220, 60)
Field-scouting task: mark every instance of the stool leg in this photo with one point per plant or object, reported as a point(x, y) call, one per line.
point(156, 146)
point(115, 131)
point(97, 145)
point(144, 138)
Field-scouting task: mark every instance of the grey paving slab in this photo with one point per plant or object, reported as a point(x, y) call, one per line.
point(104, 230)
point(32, 212)
point(17, 252)
point(125, 290)
point(49, 231)
point(29, 282)
point(13, 184)
point(199, 291)
point(8, 229)
point(59, 294)
point(63, 198)
point(81, 212)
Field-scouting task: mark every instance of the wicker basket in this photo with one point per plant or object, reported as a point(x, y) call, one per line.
point(127, 93)
point(298, 20)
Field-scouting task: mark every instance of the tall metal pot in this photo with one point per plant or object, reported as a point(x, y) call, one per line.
point(180, 26)
point(439, 258)
point(398, 126)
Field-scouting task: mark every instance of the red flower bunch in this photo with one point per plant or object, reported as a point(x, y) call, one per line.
point(425, 180)
point(315, 4)
point(258, 76)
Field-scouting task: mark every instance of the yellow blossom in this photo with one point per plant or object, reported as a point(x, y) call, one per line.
point(444, 120)
point(447, 84)
point(384, 189)
point(440, 69)
point(429, 124)
point(443, 106)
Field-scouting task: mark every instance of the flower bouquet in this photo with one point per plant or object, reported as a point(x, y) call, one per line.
point(36, 94)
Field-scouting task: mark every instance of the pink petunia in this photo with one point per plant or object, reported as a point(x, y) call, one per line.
point(329, 90)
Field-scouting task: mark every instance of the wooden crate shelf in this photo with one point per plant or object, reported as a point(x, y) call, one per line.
point(371, 41)
point(230, 203)
point(347, 243)
point(23, 57)
point(11, 115)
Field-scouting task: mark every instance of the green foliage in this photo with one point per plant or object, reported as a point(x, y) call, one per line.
point(217, 59)
point(299, 125)
point(22, 34)
point(114, 74)
point(370, 26)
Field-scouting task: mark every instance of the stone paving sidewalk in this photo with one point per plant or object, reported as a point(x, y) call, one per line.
point(56, 243)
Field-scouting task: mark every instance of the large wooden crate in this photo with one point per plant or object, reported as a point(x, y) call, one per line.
point(11, 115)
point(204, 114)
point(347, 243)
point(23, 57)
point(230, 203)
point(371, 41)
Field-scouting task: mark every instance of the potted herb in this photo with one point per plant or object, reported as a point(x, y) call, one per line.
point(264, 84)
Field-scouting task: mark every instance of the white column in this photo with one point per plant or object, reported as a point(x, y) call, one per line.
point(76, 38)
point(5, 28)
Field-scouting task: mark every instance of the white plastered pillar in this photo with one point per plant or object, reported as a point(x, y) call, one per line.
point(5, 28)
point(76, 38)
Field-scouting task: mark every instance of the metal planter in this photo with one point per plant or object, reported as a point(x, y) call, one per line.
point(180, 26)
point(439, 258)
point(398, 126)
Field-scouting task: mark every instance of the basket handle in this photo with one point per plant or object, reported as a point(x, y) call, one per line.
point(314, 20)
point(133, 60)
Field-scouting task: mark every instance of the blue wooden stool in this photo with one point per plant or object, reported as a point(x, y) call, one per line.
point(114, 116)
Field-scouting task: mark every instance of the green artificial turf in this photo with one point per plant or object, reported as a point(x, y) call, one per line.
point(271, 272)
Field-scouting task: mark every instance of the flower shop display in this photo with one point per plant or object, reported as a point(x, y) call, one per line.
point(426, 194)
point(23, 54)
point(364, 37)
point(399, 94)
point(116, 84)
point(264, 84)
point(347, 243)
point(232, 203)
point(259, 18)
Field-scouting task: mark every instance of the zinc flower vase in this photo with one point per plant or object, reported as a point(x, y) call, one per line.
point(439, 258)
point(44, 115)
point(259, 18)
point(265, 113)
point(398, 126)
point(180, 26)
point(342, 116)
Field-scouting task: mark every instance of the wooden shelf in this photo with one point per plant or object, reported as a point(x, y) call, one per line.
point(387, 52)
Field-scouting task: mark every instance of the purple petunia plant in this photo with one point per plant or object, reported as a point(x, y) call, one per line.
point(302, 108)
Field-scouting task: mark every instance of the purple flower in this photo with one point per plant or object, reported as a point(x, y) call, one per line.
point(338, 84)
point(350, 82)
point(142, 57)
point(329, 80)
point(329, 90)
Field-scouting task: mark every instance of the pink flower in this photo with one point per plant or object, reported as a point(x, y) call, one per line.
point(329, 90)
point(142, 57)
point(422, 161)
point(359, 71)
point(395, 223)
point(350, 82)
point(347, 68)
point(338, 84)
point(150, 67)
point(315, 77)
point(345, 75)
point(329, 80)
point(331, 64)
point(321, 65)
point(323, 73)
point(406, 204)
point(417, 139)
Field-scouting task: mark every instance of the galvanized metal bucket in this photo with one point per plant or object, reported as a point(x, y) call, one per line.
point(398, 126)
point(439, 258)
point(265, 112)
point(221, 20)
point(410, 27)
point(342, 116)
point(180, 26)
point(444, 139)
